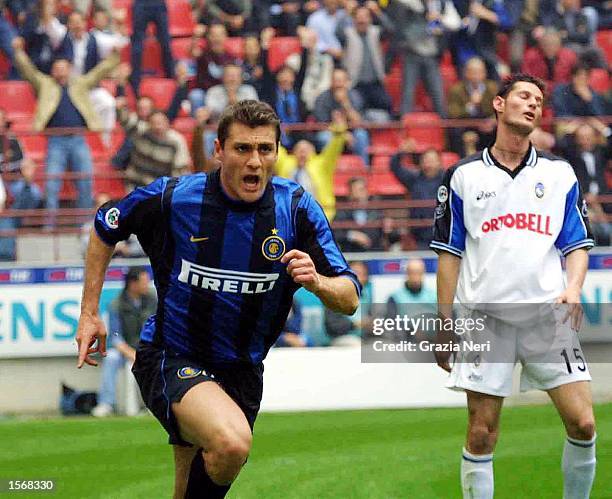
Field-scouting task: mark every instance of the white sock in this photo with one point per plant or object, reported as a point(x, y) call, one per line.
point(578, 468)
point(477, 475)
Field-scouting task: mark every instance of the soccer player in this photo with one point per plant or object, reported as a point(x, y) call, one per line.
point(228, 251)
point(503, 215)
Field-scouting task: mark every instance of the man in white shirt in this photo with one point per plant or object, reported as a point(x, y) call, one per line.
point(502, 217)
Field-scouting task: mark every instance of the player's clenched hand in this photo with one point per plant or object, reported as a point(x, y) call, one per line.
point(90, 329)
point(571, 297)
point(302, 269)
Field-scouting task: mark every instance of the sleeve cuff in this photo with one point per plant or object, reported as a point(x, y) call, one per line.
point(354, 281)
point(438, 246)
point(104, 237)
point(583, 244)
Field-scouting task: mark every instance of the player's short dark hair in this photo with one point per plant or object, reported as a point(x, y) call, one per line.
point(509, 82)
point(251, 113)
point(578, 67)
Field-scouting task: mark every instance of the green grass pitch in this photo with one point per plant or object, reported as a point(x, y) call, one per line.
point(352, 454)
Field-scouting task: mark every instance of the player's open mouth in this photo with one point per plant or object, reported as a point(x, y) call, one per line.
point(251, 182)
point(529, 115)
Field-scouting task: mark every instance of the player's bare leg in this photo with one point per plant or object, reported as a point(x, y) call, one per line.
point(211, 420)
point(183, 457)
point(477, 460)
point(575, 405)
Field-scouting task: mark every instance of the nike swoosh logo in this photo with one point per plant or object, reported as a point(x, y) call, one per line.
point(197, 239)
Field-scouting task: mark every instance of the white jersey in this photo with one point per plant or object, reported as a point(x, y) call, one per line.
point(509, 226)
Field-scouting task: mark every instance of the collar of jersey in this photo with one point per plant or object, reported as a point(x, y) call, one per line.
point(530, 159)
point(215, 186)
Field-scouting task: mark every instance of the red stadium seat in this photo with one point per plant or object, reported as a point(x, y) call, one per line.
point(350, 163)
point(5, 66)
point(151, 57)
point(604, 40)
point(449, 158)
point(503, 47)
point(380, 163)
point(127, 5)
point(341, 183)
point(20, 124)
point(384, 142)
point(425, 129)
point(180, 18)
point(184, 124)
point(600, 80)
point(99, 152)
point(108, 180)
point(235, 46)
point(17, 98)
point(385, 184)
point(161, 90)
point(282, 47)
point(35, 147)
point(181, 48)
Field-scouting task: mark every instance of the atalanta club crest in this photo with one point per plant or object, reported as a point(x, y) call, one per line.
point(539, 190)
point(188, 372)
point(273, 247)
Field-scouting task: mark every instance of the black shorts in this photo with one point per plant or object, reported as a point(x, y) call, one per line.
point(164, 377)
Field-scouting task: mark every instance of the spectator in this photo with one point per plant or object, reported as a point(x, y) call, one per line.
point(144, 108)
point(252, 65)
point(127, 314)
point(85, 51)
point(158, 150)
point(472, 98)
point(25, 195)
point(325, 22)
point(419, 31)
point(585, 152)
point(578, 26)
point(347, 331)
point(521, 34)
point(63, 102)
point(7, 242)
point(83, 6)
point(319, 69)
point(210, 62)
point(286, 17)
point(421, 184)
point(293, 335)
point(202, 162)
point(577, 98)
point(233, 14)
point(38, 45)
point(11, 152)
point(220, 96)
point(347, 101)
point(7, 33)
point(361, 238)
point(482, 20)
point(364, 60)
point(413, 291)
point(315, 172)
point(549, 61)
point(542, 140)
point(283, 89)
point(144, 12)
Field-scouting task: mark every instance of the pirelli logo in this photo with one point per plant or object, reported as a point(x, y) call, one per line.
point(227, 281)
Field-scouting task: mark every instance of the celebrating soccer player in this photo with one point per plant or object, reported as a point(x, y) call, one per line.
point(503, 216)
point(228, 250)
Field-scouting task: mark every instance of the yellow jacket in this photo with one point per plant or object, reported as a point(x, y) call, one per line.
point(321, 168)
point(49, 93)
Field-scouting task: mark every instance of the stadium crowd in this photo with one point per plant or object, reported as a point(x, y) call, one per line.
point(120, 92)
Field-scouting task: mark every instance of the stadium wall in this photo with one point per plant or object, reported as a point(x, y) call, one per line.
point(38, 317)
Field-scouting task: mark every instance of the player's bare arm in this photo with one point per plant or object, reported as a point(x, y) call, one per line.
point(447, 277)
point(336, 293)
point(577, 264)
point(91, 327)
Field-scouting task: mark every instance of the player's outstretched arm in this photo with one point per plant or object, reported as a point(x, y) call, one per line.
point(447, 277)
point(91, 327)
point(577, 264)
point(337, 293)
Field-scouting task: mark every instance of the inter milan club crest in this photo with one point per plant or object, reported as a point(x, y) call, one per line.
point(188, 372)
point(273, 247)
point(539, 190)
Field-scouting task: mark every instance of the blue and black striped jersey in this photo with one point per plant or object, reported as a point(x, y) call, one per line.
point(223, 294)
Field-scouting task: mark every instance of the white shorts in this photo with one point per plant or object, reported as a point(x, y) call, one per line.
point(548, 350)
